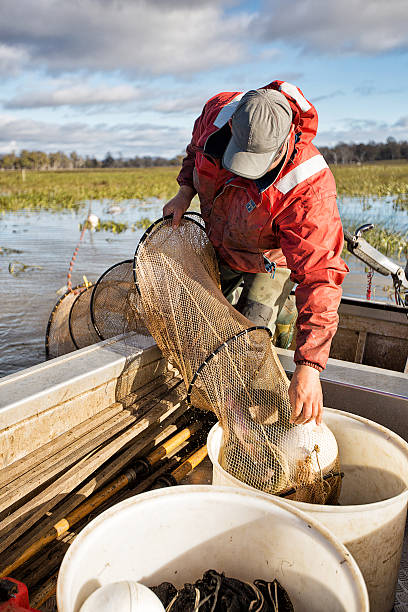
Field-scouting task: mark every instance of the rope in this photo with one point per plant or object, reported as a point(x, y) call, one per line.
point(370, 275)
point(73, 258)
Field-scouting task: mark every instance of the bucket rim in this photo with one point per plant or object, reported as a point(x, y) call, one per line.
point(305, 506)
point(261, 498)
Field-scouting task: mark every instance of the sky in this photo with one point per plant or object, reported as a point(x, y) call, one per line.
point(129, 77)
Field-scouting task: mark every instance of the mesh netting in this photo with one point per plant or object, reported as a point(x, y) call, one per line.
point(79, 321)
point(58, 340)
point(230, 366)
point(115, 303)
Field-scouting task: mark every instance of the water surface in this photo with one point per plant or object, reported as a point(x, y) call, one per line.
point(47, 241)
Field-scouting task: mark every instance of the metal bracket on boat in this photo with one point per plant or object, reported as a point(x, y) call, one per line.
point(361, 249)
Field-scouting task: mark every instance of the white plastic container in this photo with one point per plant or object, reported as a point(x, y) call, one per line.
point(177, 534)
point(371, 517)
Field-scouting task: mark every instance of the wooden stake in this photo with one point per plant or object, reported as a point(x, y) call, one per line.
point(96, 500)
point(63, 485)
point(45, 592)
point(154, 389)
point(30, 481)
point(148, 439)
point(41, 454)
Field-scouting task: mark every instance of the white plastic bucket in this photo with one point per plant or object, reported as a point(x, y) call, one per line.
point(177, 534)
point(371, 517)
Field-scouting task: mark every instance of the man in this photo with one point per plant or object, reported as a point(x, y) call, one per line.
point(268, 200)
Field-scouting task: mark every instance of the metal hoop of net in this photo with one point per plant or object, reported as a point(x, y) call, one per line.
point(230, 366)
point(115, 303)
point(58, 340)
point(79, 321)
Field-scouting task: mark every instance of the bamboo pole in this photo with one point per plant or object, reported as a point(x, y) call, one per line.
point(183, 470)
point(190, 464)
point(126, 479)
point(63, 485)
point(147, 440)
point(45, 592)
point(38, 456)
point(156, 388)
point(30, 481)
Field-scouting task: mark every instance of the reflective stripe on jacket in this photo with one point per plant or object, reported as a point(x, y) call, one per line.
point(294, 221)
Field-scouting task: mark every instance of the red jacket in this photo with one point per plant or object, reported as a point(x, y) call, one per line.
point(292, 221)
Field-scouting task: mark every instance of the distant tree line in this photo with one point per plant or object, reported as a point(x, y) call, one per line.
point(341, 153)
point(38, 160)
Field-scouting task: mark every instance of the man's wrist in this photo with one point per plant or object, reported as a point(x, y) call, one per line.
point(187, 192)
point(309, 364)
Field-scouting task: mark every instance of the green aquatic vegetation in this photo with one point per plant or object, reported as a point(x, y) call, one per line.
point(143, 223)
point(392, 244)
point(111, 226)
point(117, 227)
point(61, 190)
point(7, 251)
point(66, 189)
point(17, 267)
point(373, 180)
point(73, 189)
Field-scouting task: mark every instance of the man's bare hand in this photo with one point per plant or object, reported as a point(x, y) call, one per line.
point(305, 394)
point(178, 205)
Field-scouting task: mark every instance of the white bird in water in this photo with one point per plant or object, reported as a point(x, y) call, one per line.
point(93, 220)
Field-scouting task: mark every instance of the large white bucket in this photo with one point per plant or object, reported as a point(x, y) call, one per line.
point(371, 517)
point(177, 534)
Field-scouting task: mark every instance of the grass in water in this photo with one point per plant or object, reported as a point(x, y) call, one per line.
point(372, 180)
point(392, 244)
point(61, 190)
point(71, 189)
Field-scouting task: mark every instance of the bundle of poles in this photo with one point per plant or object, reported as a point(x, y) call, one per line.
point(151, 439)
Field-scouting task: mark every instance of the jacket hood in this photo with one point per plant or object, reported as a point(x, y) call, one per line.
point(305, 117)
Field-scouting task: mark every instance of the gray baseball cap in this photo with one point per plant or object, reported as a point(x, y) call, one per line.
point(260, 125)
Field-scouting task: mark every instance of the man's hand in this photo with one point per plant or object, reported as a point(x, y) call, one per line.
point(178, 205)
point(305, 394)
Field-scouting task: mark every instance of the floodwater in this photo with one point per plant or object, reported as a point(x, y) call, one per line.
point(44, 242)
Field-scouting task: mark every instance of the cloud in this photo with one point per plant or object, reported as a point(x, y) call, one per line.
point(329, 96)
point(350, 26)
point(402, 123)
point(12, 59)
point(138, 37)
point(95, 140)
point(173, 105)
point(75, 95)
point(363, 130)
point(366, 88)
point(270, 54)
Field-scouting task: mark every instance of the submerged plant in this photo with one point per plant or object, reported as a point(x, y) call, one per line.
point(390, 243)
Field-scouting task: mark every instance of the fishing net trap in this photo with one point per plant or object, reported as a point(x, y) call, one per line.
point(58, 339)
point(230, 366)
point(115, 303)
point(79, 321)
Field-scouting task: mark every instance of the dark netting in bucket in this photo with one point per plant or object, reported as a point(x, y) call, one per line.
point(215, 591)
point(230, 366)
point(58, 340)
point(80, 324)
point(115, 303)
